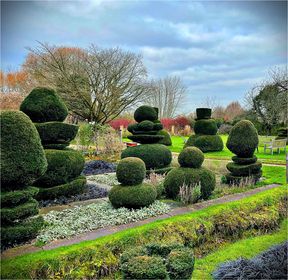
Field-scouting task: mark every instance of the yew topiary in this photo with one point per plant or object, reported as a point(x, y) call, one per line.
point(145, 113)
point(191, 157)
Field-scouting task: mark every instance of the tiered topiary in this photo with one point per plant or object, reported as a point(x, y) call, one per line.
point(242, 141)
point(22, 161)
point(148, 132)
point(158, 261)
point(190, 173)
point(282, 134)
point(46, 109)
point(132, 193)
point(205, 129)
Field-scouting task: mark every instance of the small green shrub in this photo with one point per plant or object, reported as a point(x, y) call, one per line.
point(56, 132)
point(162, 250)
point(208, 127)
point(145, 113)
point(131, 171)
point(145, 125)
point(243, 139)
point(244, 170)
point(244, 161)
point(127, 255)
point(17, 197)
point(63, 166)
point(44, 105)
point(155, 156)
point(167, 138)
point(206, 143)
point(132, 196)
point(191, 157)
point(203, 113)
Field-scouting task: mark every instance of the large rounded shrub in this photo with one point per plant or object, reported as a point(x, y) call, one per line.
point(63, 166)
point(191, 157)
point(44, 105)
point(22, 155)
point(131, 171)
point(243, 139)
point(189, 176)
point(167, 138)
point(132, 196)
point(154, 155)
point(145, 113)
point(208, 127)
point(206, 143)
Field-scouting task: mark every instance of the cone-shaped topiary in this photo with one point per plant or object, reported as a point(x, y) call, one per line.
point(190, 173)
point(44, 105)
point(22, 162)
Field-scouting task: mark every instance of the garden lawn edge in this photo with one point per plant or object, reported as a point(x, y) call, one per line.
point(104, 249)
point(204, 267)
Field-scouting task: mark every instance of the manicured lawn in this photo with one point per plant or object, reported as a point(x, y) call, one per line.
point(205, 266)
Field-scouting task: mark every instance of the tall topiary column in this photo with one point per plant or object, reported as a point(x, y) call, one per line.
point(22, 162)
point(205, 129)
point(147, 132)
point(242, 141)
point(46, 109)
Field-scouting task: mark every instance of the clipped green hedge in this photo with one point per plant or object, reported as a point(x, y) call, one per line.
point(145, 113)
point(145, 139)
point(56, 132)
point(191, 157)
point(244, 161)
point(244, 170)
point(132, 196)
point(17, 197)
point(260, 213)
point(44, 105)
point(208, 127)
point(74, 187)
point(167, 138)
point(206, 143)
point(63, 166)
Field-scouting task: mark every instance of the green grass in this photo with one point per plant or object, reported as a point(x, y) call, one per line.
point(243, 248)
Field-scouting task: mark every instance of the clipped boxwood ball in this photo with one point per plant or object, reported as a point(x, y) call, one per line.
point(155, 156)
point(243, 139)
point(208, 127)
point(244, 161)
point(206, 143)
point(145, 125)
point(22, 155)
point(132, 196)
point(145, 113)
point(131, 171)
point(189, 176)
point(167, 138)
point(191, 157)
point(203, 113)
point(44, 105)
point(63, 166)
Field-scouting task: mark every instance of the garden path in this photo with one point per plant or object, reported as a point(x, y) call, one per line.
point(113, 229)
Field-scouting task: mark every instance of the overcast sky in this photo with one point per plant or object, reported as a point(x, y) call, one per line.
point(219, 48)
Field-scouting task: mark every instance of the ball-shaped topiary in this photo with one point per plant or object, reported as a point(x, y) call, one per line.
point(154, 155)
point(208, 127)
point(203, 113)
point(44, 105)
point(131, 171)
point(145, 125)
point(243, 139)
point(132, 196)
point(191, 157)
point(22, 155)
point(206, 143)
point(145, 113)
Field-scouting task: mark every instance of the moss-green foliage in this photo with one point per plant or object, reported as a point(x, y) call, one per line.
point(132, 196)
point(206, 143)
point(145, 125)
point(205, 126)
point(203, 113)
point(22, 156)
point(189, 176)
point(191, 157)
point(145, 113)
point(243, 139)
point(260, 213)
point(17, 197)
point(167, 138)
point(63, 166)
point(69, 189)
point(56, 132)
point(154, 155)
point(131, 171)
point(44, 105)
point(145, 139)
point(160, 249)
point(244, 170)
point(244, 161)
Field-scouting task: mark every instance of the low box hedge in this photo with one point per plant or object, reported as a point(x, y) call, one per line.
point(260, 213)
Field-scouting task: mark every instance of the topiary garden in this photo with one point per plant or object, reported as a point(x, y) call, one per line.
point(205, 129)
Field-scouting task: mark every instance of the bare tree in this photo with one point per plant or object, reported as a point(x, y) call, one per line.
point(96, 84)
point(210, 102)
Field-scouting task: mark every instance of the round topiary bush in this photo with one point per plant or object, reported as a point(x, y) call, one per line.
point(145, 113)
point(203, 113)
point(243, 139)
point(44, 105)
point(189, 176)
point(63, 166)
point(244, 170)
point(167, 138)
point(22, 155)
point(239, 160)
point(191, 157)
point(206, 143)
point(154, 155)
point(131, 171)
point(207, 127)
point(145, 125)
point(132, 196)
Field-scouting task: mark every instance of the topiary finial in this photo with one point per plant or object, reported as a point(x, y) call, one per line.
point(191, 157)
